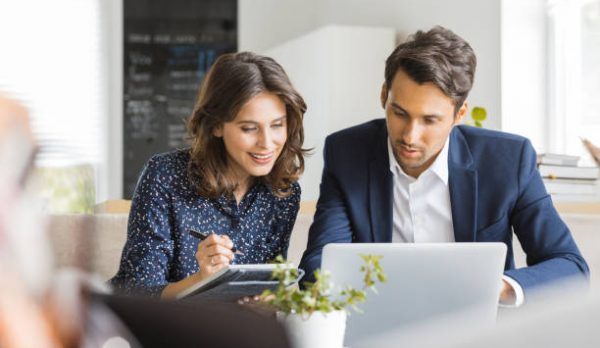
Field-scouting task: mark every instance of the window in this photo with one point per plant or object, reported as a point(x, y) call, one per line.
point(52, 63)
point(574, 74)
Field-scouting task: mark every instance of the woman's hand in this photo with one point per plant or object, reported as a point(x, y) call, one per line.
point(213, 254)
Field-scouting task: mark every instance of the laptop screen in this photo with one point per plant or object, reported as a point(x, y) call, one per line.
point(424, 281)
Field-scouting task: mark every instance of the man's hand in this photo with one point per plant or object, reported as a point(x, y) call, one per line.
point(507, 294)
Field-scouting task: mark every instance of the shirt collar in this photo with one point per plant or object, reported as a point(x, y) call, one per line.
point(439, 167)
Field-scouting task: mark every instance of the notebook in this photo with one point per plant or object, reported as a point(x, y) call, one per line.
point(234, 282)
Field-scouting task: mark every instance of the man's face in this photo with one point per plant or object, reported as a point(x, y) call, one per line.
point(419, 119)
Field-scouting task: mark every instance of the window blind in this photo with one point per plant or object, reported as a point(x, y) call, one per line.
point(50, 61)
point(573, 75)
point(53, 61)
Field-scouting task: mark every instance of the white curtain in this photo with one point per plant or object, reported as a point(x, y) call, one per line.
point(574, 75)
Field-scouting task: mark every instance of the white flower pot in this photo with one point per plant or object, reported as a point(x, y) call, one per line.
point(318, 330)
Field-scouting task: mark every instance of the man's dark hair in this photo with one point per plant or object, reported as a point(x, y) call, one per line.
point(438, 56)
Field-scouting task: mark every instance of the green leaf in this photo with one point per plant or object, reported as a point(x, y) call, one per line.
point(317, 296)
point(478, 114)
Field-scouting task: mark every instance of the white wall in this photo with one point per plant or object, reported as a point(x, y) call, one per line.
point(475, 20)
point(263, 24)
point(336, 69)
point(523, 52)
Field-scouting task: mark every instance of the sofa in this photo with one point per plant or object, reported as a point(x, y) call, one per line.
point(94, 241)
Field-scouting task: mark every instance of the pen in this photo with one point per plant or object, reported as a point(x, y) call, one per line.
point(203, 236)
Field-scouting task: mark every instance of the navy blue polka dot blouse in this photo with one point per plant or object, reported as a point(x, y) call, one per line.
point(165, 207)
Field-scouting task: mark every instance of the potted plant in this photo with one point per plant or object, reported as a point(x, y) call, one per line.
point(478, 114)
point(313, 316)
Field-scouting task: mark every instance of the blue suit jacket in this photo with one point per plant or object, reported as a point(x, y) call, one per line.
point(494, 188)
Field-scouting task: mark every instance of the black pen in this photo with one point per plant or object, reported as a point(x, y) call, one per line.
point(203, 236)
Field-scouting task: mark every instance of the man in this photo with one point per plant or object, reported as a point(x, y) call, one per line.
point(417, 176)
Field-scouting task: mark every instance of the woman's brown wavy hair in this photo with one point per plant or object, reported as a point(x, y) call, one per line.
point(232, 81)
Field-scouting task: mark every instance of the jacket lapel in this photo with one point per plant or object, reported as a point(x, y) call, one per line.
point(462, 180)
point(381, 192)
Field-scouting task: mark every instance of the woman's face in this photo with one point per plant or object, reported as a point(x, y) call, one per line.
point(255, 137)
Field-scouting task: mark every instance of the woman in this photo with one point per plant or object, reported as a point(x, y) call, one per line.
point(237, 182)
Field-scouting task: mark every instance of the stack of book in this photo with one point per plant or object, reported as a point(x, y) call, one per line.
point(566, 180)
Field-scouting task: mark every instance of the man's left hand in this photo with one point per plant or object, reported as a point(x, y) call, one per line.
point(507, 293)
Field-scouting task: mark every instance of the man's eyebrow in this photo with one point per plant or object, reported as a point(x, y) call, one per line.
point(399, 108)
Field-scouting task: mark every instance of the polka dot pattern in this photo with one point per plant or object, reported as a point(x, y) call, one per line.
point(165, 207)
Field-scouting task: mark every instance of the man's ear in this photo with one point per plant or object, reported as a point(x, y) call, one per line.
point(462, 112)
point(218, 131)
point(384, 94)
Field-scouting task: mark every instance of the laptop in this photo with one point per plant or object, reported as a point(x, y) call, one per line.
point(425, 281)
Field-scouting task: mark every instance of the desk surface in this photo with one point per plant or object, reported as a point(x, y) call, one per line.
point(578, 207)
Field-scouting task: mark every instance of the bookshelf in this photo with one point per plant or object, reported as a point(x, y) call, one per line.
point(568, 181)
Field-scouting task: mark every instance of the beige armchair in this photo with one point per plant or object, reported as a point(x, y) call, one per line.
point(116, 206)
point(94, 242)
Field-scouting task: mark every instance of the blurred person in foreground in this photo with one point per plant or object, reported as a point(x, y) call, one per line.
point(43, 307)
point(24, 266)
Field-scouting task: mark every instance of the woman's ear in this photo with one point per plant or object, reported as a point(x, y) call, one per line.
point(218, 131)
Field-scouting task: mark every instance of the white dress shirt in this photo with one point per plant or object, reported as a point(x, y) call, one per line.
point(422, 211)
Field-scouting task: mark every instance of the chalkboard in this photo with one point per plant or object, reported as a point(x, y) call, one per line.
point(168, 47)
